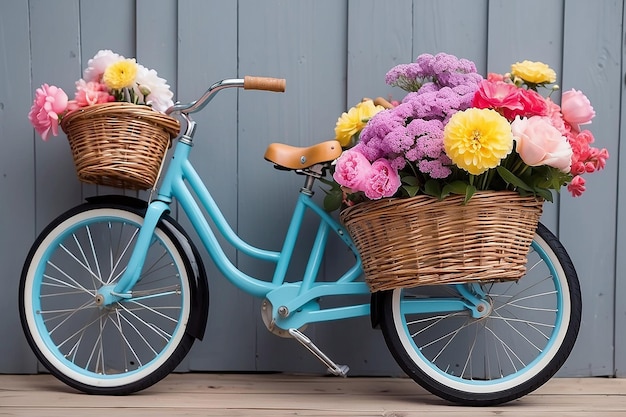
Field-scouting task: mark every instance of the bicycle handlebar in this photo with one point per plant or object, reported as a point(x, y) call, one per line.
point(247, 83)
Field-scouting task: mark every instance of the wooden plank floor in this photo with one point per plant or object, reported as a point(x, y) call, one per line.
point(279, 395)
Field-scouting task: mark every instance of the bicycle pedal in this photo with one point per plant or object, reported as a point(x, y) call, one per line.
point(333, 368)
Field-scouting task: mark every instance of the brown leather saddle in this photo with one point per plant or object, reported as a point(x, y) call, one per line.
point(296, 157)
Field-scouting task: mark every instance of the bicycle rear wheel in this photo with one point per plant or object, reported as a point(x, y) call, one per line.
point(526, 338)
point(121, 347)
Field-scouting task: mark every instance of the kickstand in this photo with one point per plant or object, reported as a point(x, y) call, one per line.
point(333, 368)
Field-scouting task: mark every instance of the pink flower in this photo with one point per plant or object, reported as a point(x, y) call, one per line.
point(576, 109)
point(600, 159)
point(556, 118)
point(492, 76)
point(540, 143)
point(352, 169)
point(50, 102)
point(497, 95)
point(577, 186)
point(585, 157)
point(91, 92)
point(382, 180)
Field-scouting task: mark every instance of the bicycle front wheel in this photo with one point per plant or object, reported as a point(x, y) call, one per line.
point(115, 348)
point(523, 341)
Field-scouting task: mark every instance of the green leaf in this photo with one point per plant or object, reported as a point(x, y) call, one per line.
point(510, 178)
point(469, 192)
point(455, 187)
point(432, 188)
point(410, 190)
point(544, 193)
point(410, 180)
point(333, 199)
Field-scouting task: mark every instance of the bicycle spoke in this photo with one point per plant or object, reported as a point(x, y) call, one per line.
point(507, 349)
point(435, 321)
point(93, 250)
point(124, 340)
point(112, 276)
point(80, 330)
point(76, 284)
point(97, 278)
point(469, 356)
point(153, 310)
point(155, 329)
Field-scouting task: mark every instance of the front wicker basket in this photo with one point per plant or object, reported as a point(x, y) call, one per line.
point(119, 144)
point(424, 241)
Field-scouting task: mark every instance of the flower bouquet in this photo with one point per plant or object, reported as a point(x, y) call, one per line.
point(116, 126)
point(448, 184)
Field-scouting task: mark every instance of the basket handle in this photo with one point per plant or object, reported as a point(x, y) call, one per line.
point(264, 83)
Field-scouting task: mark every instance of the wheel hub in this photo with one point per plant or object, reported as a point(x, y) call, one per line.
point(105, 296)
point(483, 308)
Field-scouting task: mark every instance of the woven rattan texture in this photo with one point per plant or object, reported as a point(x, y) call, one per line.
point(119, 144)
point(424, 241)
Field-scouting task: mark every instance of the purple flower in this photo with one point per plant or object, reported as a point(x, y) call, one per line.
point(412, 132)
point(435, 168)
point(406, 76)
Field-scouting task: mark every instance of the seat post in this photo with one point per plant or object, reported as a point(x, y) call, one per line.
point(308, 185)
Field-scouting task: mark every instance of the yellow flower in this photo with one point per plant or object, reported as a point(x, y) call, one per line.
point(120, 74)
point(533, 72)
point(352, 122)
point(477, 139)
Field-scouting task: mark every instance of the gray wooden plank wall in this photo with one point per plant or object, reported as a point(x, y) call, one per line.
point(332, 53)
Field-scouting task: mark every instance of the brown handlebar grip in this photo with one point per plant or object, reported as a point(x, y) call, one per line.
point(264, 83)
point(379, 101)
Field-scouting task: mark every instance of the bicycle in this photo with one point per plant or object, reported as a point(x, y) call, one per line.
point(113, 292)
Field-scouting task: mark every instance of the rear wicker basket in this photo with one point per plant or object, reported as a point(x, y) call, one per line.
point(425, 241)
point(119, 144)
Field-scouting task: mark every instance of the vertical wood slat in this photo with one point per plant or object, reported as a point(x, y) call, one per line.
point(620, 230)
point(457, 27)
point(510, 41)
point(207, 52)
point(96, 33)
point(156, 44)
point(54, 60)
point(17, 180)
point(378, 36)
point(592, 63)
point(302, 42)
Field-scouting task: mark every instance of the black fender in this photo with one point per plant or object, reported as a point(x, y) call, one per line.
point(199, 283)
point(376, 308)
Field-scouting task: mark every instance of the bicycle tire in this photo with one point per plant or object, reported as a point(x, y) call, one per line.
point(528, 335)
point(117, 349)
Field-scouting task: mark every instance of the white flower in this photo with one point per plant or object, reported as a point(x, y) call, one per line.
point(160, 95)
point(98, 64)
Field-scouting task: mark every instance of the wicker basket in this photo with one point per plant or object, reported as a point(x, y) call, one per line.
point(424, 241)
point(119, 144)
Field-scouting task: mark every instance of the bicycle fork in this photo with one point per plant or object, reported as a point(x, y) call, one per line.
point(109, 294)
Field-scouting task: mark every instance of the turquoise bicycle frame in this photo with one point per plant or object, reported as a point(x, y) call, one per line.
point(180, 179)
point(286, 298)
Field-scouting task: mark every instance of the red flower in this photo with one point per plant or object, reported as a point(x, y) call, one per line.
point(533, 103)
point(498, 95)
